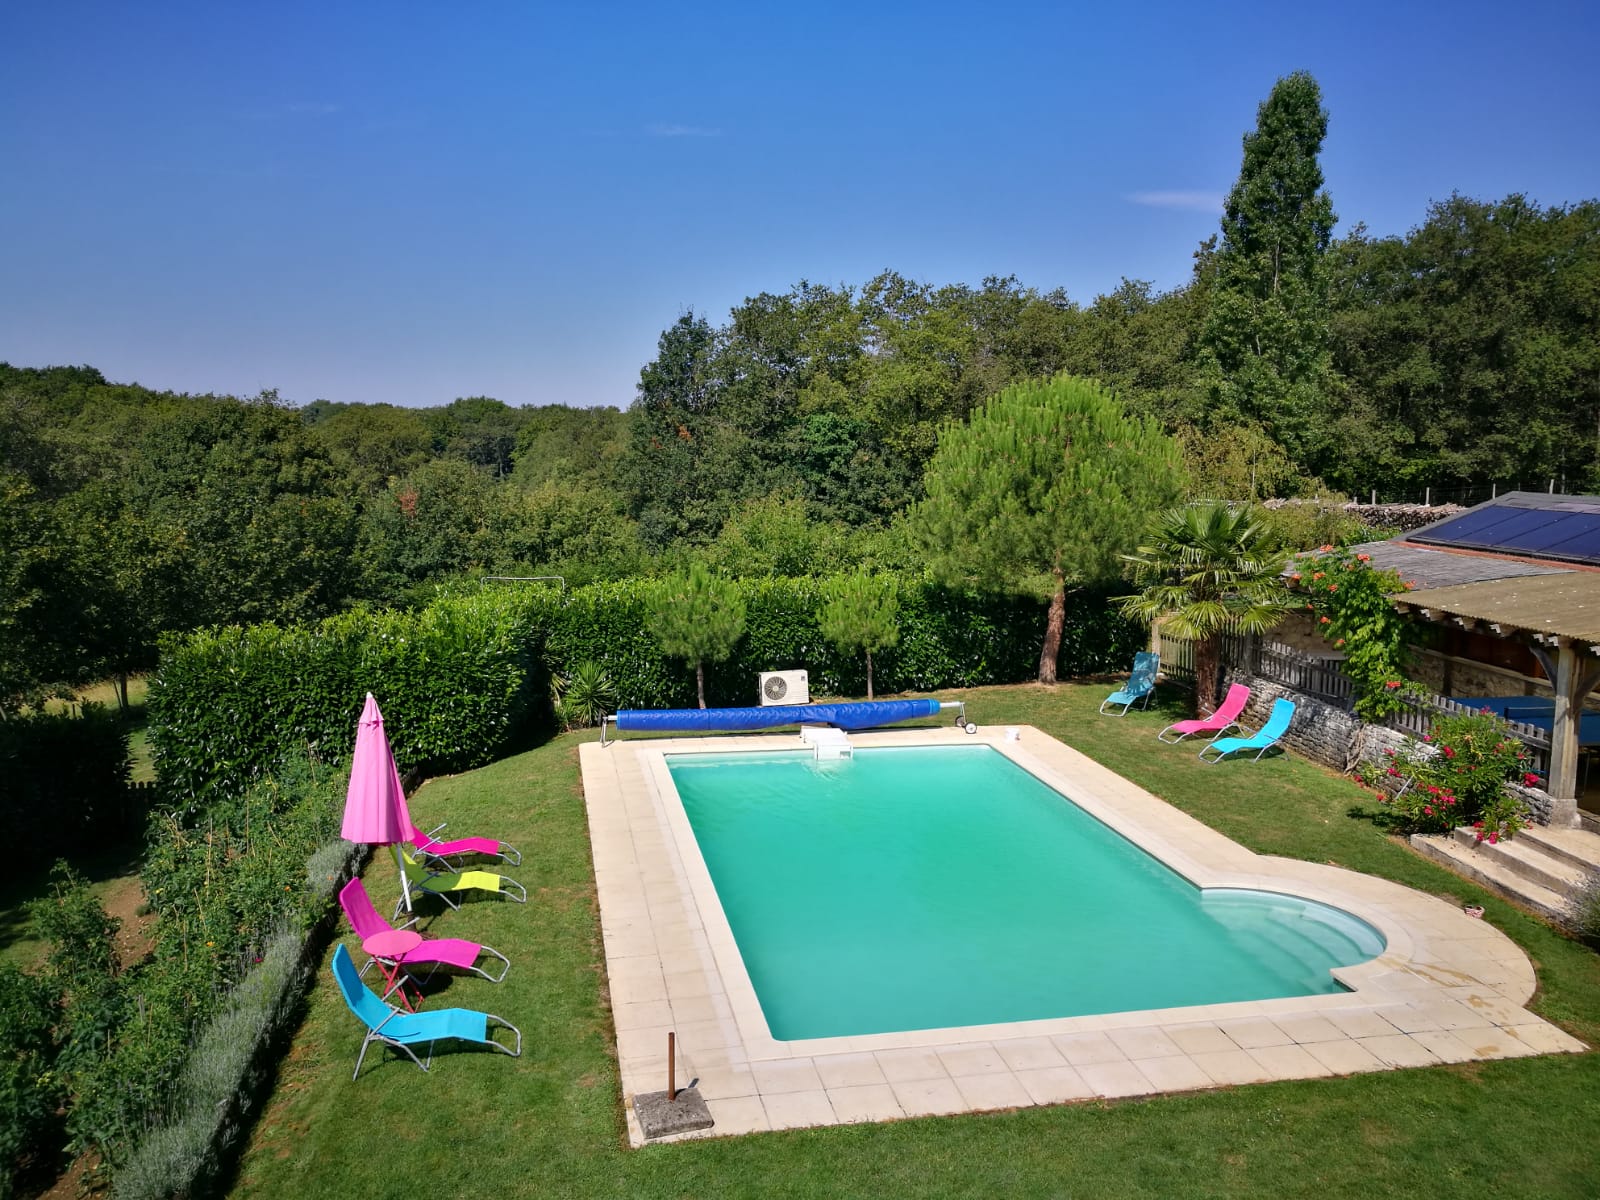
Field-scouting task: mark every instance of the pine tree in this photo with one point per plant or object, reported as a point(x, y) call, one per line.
point(698, 617)
point(861, 613)
point(1044, 489)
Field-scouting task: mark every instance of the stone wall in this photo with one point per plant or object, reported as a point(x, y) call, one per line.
point(1339, 739)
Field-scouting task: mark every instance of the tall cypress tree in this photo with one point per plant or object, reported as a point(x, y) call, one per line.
point(1265, 344)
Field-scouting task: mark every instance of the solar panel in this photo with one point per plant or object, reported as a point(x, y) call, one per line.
point(1484, 527)
point(1468, 524)
point(1562, 527)
point(1565, 534)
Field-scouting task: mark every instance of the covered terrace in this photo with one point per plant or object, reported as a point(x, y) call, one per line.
point(1557, 617)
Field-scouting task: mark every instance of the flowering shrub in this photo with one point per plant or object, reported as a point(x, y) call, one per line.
point(1456, 777)
point(1350, 600)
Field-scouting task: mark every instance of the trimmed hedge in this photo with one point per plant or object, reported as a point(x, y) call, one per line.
point(947, 640)
point(64, 782)
point(460, 679)
point(457, 682)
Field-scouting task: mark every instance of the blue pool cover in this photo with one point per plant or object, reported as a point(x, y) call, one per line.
point(860, 714)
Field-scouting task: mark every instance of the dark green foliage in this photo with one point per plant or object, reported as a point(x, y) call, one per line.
point(30, 1090)
point(457, 681)
point(947, 639)
point(1469, 347)
point(64, 782)
point(1265, 344)
point(229, 885)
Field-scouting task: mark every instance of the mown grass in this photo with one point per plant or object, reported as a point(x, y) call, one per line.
point(551, 1123)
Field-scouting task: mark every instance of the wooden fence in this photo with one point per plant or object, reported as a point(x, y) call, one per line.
point(1319, 677)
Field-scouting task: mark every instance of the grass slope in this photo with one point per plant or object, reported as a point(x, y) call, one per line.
point(550, 1123)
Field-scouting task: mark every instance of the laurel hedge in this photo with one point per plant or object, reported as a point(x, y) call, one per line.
point(457, 682)
point(461, 679)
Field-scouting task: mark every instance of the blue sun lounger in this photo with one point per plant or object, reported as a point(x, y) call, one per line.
point(1261, 741)
point(388, 1026)
point(1141, 684)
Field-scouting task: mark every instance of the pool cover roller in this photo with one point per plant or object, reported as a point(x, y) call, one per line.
point(861, 714)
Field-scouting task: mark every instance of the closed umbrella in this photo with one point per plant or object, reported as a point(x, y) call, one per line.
point(375, 809)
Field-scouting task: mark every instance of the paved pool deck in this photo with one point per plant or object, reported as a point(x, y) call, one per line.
point(1448, 988)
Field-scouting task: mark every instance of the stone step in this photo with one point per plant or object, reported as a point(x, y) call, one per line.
point(1491, 874)
point(1527, 858)
point(1575, 847)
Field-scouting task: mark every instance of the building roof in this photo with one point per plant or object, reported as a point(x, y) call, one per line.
point(1445, 568)
point(1565, 604)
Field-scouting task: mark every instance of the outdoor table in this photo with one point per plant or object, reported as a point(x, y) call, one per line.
point(388, 949)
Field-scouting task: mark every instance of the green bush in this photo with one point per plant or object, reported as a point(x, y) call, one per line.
point(30, 1089)
point(456, 681)
point(1457, 778)
point(64, 782)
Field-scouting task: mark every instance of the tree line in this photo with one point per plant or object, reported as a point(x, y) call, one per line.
point(793, 437)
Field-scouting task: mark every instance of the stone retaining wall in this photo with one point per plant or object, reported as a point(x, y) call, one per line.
point(1341, 740)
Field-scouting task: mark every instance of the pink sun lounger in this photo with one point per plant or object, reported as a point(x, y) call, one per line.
point(433, 953)
point(447, 852)
point(1225, 718)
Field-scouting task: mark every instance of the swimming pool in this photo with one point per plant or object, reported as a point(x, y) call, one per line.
point(907, 889)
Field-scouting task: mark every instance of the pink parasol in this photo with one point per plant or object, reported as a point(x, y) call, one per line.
point(375, 809)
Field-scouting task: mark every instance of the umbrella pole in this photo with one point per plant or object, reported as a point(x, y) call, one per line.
point(405, 888)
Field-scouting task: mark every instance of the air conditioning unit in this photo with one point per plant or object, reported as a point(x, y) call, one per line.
point(785, 687)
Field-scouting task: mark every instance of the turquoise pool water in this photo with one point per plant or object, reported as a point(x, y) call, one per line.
point(925, 888)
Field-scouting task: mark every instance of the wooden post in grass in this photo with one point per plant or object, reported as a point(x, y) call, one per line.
point(672, 1074)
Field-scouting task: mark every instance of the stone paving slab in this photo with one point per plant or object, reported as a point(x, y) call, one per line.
point(1446, 989)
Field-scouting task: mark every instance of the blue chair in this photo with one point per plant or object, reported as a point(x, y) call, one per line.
point(1141, 684)
point(1261, 741)
point(390, 1026)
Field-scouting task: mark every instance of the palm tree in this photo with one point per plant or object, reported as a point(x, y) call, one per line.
point(1208, 570)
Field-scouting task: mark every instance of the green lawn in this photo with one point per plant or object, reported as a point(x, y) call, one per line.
point(551, 1122)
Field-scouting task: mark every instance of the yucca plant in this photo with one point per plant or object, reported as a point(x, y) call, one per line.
point(584, 696)
point(1206, 570)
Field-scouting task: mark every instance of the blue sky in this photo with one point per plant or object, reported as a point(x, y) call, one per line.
point(414, 202)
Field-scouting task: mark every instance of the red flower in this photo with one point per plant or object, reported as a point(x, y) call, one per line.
point(1295, 578)
point(1327, 548)
point(1529, 779)
point(1433, 791)
point(1363, 558)
point(1391, 685)
point(1409, 585)
point(1428, 808)
point(1480, 837)
point(1477, 824)
point(1427, 737)
point(1339, 643)
point(1324, 620)
point(1494, 836)
point(1392, 771)
point(1447, 751)
point(1333, 587)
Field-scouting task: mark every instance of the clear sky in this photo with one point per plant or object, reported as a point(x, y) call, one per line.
point(413, 202)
